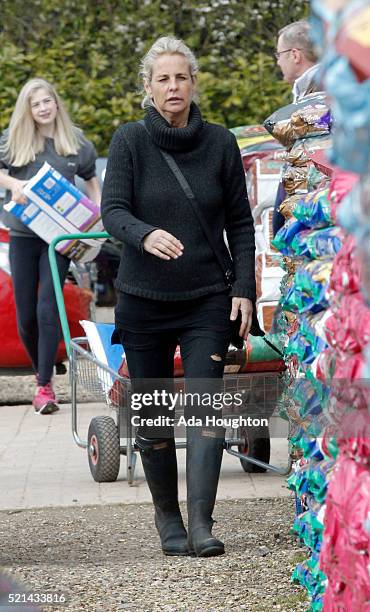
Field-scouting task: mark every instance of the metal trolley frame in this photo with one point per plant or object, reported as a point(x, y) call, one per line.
point(106, 434)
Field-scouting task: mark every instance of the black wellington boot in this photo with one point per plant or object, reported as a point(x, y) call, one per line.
point(158, 457)
point(203, 463)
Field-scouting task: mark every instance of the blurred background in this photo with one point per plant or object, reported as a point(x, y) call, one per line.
point(91, 50)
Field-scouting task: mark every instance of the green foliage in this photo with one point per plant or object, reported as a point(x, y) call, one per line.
point(91, 51)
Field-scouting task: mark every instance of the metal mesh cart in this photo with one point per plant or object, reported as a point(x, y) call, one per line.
point(110, 436)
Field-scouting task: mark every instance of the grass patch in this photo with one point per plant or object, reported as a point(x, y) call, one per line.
point(298, 557)
point(290, 603)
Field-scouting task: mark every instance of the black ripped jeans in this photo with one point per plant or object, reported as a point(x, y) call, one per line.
point(37, 312)
point(202, 329)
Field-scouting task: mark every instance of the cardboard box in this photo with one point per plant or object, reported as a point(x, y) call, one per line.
point(265, 314)
point(268, 270)
point(262, 185)
point(57, 207)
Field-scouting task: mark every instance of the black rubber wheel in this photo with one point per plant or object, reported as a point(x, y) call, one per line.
point(103, 449)
point(256, 445)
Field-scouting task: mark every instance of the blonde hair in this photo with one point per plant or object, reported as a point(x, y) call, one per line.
point(24, 141)
point(165, 44)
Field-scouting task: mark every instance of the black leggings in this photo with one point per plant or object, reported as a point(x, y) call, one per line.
point(37, 312)
point(201, 327)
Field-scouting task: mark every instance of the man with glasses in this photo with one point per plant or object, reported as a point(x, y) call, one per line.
point(296, 58)
point(297, 61)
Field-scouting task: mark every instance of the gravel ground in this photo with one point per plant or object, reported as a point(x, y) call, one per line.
point(107, 559)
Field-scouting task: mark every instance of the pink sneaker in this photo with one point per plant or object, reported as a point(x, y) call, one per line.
point(45, 401)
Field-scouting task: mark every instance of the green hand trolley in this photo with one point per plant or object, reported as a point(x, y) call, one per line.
point(109, 437)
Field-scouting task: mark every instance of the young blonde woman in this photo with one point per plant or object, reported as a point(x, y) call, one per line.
point(40, 130)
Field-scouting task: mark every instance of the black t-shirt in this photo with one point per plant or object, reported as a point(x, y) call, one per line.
point(82, 164)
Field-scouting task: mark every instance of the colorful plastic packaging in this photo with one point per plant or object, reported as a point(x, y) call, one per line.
point(342, 182)
point(316, 179)
point(299, 154)
point(345, 275)
point(324, 242)
point(308, 292)
point(323, 367)
point(313, 210)
point(310, 117)
point(306, 343)
point(353, 38)
point(288, 205)
point(285, 235)
point(349, 213)
point(348, 328)
point(345, 549)
point(351, 109)
point(294, 179)
point(364, 265)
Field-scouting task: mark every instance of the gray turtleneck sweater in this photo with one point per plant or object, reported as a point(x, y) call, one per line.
point(141, 194)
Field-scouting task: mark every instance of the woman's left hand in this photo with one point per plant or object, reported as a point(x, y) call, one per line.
point(246, 308)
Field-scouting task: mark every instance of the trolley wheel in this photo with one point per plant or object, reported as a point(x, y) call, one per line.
point(103, 449)
point(256, 445)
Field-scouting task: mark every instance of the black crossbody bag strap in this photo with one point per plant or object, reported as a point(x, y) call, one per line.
point(227, 270)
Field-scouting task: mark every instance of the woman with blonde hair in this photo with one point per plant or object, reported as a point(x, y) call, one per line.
point(173, 184)
point(39, 131)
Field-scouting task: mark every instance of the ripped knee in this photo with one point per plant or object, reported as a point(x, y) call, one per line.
point(216, 357)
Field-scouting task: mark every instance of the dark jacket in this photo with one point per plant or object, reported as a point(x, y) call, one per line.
point(141, 194)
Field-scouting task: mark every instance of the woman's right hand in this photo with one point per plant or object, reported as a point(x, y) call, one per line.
point(17, 191)
point(162, 244)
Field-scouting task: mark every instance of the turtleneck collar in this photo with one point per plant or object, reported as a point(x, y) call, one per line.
point(171, 138)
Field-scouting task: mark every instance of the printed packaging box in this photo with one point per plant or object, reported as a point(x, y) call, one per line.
point(57, 207)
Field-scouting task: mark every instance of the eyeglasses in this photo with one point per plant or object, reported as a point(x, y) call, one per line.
point(278, 53)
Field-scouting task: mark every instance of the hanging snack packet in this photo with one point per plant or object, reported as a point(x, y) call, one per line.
point(294, 179)
point(284, 237)
point(344, 554)
point(349, 213)
point(364, 264)
point(299, 346)
point(345, 276)
point(288, 205)
point(348, 329)
point(312, 279)
point(316, 179)
point(342, 182)
point(353, 37)
point(308, 292)
point(349, 368)
point(308, 342)
point(314, 209)
point(323, 367)
point(297, 301)
point(311, 327)
point(299, 154)
point(318, 477)
point(324, 242)
point(351, 109)
point(354, 436)
point(307, 117)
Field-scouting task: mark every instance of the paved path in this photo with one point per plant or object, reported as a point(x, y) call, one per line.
point(41, 466)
